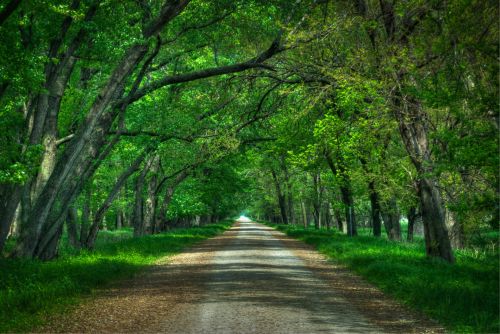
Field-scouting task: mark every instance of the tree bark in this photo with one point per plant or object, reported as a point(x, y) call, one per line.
point(10, 197)
point(304, 213)
point(281, 197)
point(346, 196)
point(455, 230)
point(289, 193)
point(100, 213)
point(413, 129)
point(151, 197)
point(138, 215)
point(71, 224)
point(375, 209)
point(392, 217)
point(317, 199)
point(412, 217)
point(85, 220)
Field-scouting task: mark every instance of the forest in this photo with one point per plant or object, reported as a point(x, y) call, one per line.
point(369, 119)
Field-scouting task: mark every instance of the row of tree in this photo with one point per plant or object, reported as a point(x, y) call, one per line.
point(392, 111)
point(157, 113)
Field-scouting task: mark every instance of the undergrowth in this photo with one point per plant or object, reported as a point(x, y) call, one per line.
point(463, 296)
point(30, 289)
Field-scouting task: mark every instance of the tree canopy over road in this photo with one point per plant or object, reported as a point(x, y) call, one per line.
point(157, 114)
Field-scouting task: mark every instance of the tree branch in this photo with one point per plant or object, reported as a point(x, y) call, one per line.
point(256, 62)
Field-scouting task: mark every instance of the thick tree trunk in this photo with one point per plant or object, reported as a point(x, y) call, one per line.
point(72, 155)
point(413, 129)
point(437, 242)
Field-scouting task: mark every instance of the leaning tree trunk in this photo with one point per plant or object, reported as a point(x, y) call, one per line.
point(72, 155)
point(413, 127)
point(72, 228)
point(100, 213)
point(167, 198)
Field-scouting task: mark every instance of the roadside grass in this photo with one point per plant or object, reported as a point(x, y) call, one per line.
point(30, 290)
point(464, 296)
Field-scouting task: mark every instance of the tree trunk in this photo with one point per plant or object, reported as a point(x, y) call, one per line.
point(10, 197)
point(167, 198)
point(346, 196)
point(392, 218)
point(412, 217)
point(338, 218)
point(119, 220)
point(375, 209)
point(151, 197)
point(73, 155)
point(71, 224)
point(304, 213)
point(281, 198)
point(289, 194)
point(350, 215)
point(138, 215)
point(413, 129)
point(100, 213)
point(455, 230)
point(317, 200)
point(85, 220)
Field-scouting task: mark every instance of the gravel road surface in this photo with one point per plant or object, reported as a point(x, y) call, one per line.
point(251, 279)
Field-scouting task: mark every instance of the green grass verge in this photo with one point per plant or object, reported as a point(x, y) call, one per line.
point(30, 290)
point(464, 296)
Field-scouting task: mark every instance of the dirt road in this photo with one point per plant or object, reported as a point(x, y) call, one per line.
point(252, 279)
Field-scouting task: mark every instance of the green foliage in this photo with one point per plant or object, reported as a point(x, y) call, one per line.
point(30, 290)
point(464, 297)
